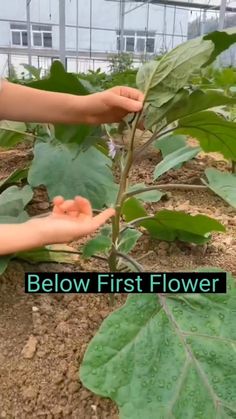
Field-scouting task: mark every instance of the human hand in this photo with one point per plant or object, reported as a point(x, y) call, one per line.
point(112, 105)
point(69, 220)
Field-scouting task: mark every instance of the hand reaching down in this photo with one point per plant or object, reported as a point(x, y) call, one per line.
point(70, 220)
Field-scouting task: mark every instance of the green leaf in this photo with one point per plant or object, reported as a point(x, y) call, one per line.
point(60, 81)
point(169, 356)
point(158, 116)
point(170, 143)
point(12, 203)
point(12, 133)
point(148, 196)
point(4, 261)
point(49, 254)
point(132, 209)
point(145, 73)
point(172, 72)
point(88, 175)
point(128, 240)
point(14, 177)
point(214, 133)
point(185, 104)
point(174, 159)
point(106, 230)
point(84, 136)
point(100, 244)
point(111, 194)
point(222, 41)
point(177, 225)
point(223, 184)
point(33, 71)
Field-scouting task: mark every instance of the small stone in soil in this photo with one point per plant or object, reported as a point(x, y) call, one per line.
point(30, 348)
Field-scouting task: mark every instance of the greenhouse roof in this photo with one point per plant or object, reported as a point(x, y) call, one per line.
point(191, 4)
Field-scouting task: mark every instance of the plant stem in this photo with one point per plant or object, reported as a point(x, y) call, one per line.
point(130, 260)
point(166, 186)
point(155, 136)
point(137, 221)
point(121, 196)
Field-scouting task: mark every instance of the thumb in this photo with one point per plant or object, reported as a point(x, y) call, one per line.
point(101, 218)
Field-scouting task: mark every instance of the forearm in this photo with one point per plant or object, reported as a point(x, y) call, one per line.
point(21, 103)
point(19, 237)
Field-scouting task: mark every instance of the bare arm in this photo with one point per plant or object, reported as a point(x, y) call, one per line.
point(21, 103)
point(69, 220)
point(19, 237)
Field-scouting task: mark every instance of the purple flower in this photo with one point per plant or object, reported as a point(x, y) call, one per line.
point(112, 148)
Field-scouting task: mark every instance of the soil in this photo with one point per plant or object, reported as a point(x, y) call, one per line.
point(43, 338)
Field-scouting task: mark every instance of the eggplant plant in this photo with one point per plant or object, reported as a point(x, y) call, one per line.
point(161, 357)
point(171, 107)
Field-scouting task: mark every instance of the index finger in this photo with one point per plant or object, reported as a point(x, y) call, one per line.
point(101, 218)
point(131, 93)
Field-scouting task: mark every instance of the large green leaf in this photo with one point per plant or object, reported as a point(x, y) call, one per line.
point(223, 184)
point(214, 133)
point(128, 240)
point(185, 104)
point(145, 73)
point(170, 143)
point(222, 41)
point(172, 72)
point(49, 254)
point(83, 136)
point(60, 81)
point(177, 225)
point(12, 203)
point(12, 133)
point(174, 159)
point(170, 356)
point(88, 175)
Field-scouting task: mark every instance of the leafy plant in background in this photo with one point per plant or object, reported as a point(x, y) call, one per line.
point(121, 62)
point(157, 357)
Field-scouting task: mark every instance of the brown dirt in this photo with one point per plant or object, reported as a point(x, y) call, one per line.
point(43, 338)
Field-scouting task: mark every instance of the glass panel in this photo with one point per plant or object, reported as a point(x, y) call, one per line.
point(47, 40)
point(37, 39)
point(41, 28)
point(17, 26)
point(150, 45)
point(129, 44)
point(132, 33)
point(16, 39)
point(140, 44)
point(24, 39)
